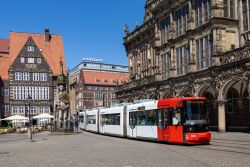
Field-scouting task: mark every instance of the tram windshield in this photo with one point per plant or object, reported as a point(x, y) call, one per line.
point(195, 111)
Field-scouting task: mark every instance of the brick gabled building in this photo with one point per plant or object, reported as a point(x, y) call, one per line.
point(47, 48)
point(93, 84)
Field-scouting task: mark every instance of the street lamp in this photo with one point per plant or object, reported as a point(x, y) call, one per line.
point(29, 128)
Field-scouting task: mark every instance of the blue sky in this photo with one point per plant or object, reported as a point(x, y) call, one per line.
point(90, 28)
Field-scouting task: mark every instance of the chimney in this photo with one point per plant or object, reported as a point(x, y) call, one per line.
point(47, 35)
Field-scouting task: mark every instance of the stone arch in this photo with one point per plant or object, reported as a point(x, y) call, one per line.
point(184, 92)
point(206, 91)
point(232, 82)
point(167, 94)
point(210, 93)
point(235, 93)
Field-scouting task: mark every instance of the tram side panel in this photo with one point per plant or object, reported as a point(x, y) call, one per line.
point(141, 119)
point(82, 120)
point(111, 121)
point(92, 121)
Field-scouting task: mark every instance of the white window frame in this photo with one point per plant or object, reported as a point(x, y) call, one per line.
point(47, 109)
point(43, 76)
point(14, 110)
point(26, 76)
point(22, 60)
point(6, 108)
point(38, 60)
point(18, 76)
point(31, 60)
point(30, 48)
point(35, 76)
point(6, 92)
point(33, 110)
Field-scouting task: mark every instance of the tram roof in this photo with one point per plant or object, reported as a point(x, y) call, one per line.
point(175, 101)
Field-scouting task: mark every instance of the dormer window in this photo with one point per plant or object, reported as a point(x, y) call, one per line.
point(30, 48)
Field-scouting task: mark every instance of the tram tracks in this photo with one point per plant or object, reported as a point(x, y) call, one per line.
point(232, 146)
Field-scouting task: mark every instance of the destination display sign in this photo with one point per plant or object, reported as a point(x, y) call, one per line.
point(195, 102)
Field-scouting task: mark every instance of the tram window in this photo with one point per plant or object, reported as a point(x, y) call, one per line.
point(151, 117)
point(160, 115)
point(141, 119)
point(132, 118)
point(91, 119)
point(81, 118)
point(176, 116)
point(111, 119)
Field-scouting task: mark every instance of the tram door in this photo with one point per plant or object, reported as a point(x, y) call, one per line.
point(102, 121)
point(163, 131)
point(132, 123)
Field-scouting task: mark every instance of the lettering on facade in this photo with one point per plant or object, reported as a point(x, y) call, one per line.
point(89, 59)
point(31, 66)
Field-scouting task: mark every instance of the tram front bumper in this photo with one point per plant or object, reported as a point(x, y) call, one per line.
point(198, 138)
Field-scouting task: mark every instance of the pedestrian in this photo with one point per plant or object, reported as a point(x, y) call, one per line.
point(76, 125)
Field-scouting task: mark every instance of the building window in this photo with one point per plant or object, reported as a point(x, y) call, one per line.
point(14, 110)
point(144, 62)
point(202, 12)
point(35, 77)
point(26, 76)
point(98, 95)
point(245, 6)
point(98, 80)
point(22, 59)
point(166, 60)
point(31, 60)
point(229, 8)
point(30, 48)
point(21, 110)
point(182, 59)
point(185, 12)
point(207, 10)
point(5, 92)
point(39, 60)
point(178, 22)
point(6, 108)
point(36, 93)
point(80, 104)
point(164, 29)
point(80, 95)
point(43, 77)
point(47, 109)
point(33, 110)
point(18, 76)
point(203, 52)
point(181, 20)
point(106, 81)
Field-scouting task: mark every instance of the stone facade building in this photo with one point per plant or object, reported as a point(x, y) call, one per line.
point(193, 48)
point(93, 84)
point(30, 66)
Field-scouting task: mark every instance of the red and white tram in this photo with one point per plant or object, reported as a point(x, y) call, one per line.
point(173, 120)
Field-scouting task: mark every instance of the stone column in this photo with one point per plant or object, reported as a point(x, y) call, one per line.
point(221, 116)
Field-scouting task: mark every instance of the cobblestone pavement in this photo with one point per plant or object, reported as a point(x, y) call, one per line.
point(91, 150)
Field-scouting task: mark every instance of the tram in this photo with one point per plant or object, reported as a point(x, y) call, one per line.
point(181, 120)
